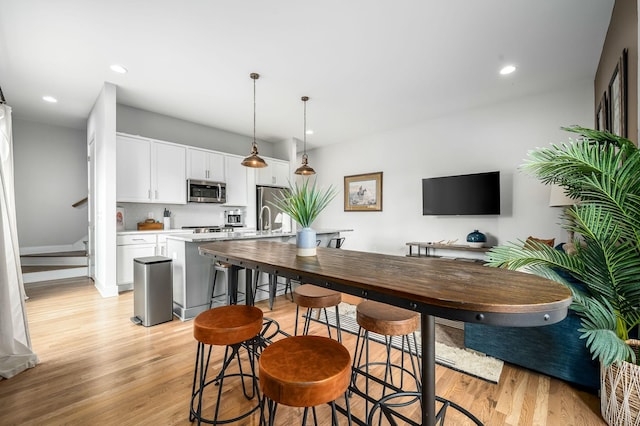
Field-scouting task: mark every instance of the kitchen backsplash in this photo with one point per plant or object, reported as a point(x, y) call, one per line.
point(181, 215)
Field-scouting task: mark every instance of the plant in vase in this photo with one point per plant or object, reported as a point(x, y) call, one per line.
point(603, 171)
point(304, 203)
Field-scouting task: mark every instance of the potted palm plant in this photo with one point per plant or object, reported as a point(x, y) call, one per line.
point(304, 203)
point(602, 171)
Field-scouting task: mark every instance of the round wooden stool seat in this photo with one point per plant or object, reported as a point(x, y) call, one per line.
point(304, 371)
point(311, 296)
point(227, 325)
point(386, 320)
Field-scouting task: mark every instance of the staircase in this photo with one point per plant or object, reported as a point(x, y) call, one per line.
point(53, 266)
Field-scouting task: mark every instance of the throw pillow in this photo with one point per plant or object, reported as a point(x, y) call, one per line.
point(528, 244)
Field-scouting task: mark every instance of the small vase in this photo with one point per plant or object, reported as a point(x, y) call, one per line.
point(306, 242)
point(476, 239)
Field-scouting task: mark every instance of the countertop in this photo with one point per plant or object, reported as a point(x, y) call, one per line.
point(243, 235)
point(154, 231)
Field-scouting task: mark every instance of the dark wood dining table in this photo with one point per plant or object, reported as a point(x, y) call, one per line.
point(455, 290)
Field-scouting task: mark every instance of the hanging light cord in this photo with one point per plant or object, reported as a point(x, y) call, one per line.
point(254, 111)
point(305, 128)
point(304, 133)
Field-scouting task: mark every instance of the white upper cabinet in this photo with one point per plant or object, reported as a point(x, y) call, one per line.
point(133, 169)
point(205, 165)
point(275, 174)
point(237, 194)
point(168, 165)
point(149, 171)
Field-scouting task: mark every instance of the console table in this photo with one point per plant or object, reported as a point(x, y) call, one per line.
point(433, 287)
point(420, 249)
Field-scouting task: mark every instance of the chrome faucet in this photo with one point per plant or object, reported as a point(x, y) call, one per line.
point(268, 225)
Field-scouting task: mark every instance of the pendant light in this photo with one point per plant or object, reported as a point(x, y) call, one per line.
point(253, 160)
point(305, 169)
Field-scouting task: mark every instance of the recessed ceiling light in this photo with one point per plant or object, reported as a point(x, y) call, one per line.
point(507, 70)
point(118, 68)
point(50, 99)
point(309, 131)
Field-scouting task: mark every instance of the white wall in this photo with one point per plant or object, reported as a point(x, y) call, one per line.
point(492, 138)
point(150, 124)
point(50, 175)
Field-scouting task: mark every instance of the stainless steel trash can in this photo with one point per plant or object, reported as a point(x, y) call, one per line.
point(152, 290)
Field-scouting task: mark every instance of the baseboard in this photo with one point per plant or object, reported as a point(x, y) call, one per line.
point(110, 291)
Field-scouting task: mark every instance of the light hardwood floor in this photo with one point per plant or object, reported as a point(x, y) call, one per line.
point(96, 367)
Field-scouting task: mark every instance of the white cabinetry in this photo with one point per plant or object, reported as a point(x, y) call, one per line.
point(161, 248)
point(236, 181)
point(149, 171)
point(206, 165)
point(168, 177)
point(275, 174)
point(141, 244)
point(128, 248)
point(133, 169)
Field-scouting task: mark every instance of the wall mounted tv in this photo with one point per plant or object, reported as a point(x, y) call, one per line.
point(473, 194)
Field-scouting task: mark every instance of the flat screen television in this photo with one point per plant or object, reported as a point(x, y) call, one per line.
point(473, 194)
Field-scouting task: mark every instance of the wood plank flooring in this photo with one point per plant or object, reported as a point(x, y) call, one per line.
point(96, 367)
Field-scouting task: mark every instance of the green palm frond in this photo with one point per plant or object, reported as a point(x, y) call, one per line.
point(303, 202)
point(599, 328)
point(602, 172)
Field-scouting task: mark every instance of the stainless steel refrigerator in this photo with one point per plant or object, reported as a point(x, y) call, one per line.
point(268, 216)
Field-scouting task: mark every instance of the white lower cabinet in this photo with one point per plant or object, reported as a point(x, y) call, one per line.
point(161, 248)
point(128, 248)
point(142, 244)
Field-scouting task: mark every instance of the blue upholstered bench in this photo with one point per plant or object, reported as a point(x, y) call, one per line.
point(555, 350)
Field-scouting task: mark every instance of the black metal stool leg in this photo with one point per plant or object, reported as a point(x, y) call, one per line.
point(212, 272)
point(231, 352)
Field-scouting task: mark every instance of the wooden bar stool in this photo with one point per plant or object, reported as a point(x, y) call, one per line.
point(213, 277)
point(235, 327)
point(304, 371)
point(384, 323)
point(313, 297)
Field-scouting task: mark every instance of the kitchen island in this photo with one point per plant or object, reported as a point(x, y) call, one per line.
point(191, 272)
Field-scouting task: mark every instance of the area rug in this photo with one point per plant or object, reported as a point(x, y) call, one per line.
point(456, 358)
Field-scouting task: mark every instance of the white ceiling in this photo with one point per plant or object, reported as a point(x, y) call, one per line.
point(366, 65)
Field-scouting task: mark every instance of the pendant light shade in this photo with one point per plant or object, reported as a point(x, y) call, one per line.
point(305, 169)
point(254, 160)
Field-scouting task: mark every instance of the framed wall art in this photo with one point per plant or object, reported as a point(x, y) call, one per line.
point(363, 193)
point(617, 97)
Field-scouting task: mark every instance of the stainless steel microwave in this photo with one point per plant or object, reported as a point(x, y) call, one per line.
point(202, 191)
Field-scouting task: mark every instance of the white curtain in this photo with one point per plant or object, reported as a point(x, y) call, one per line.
point(15, 344)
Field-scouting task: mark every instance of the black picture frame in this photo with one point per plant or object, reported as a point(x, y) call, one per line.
point(617, 98)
